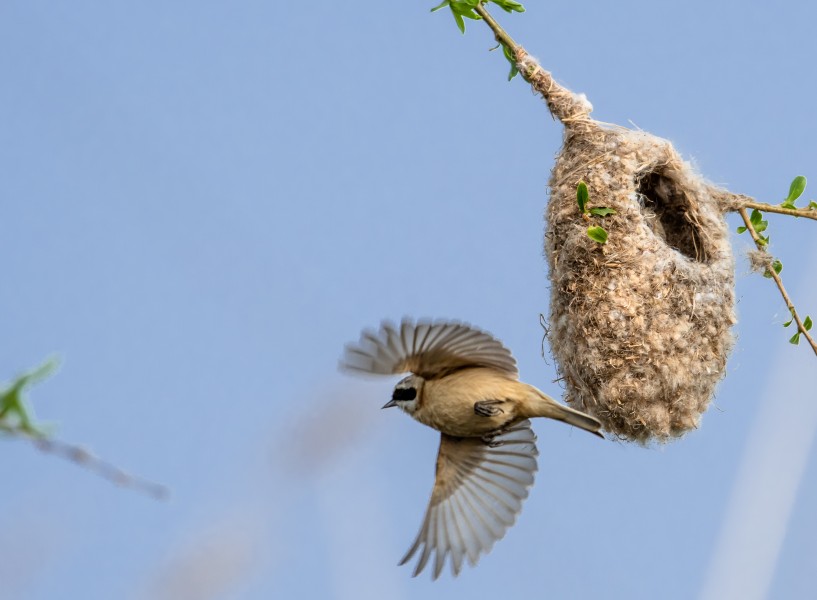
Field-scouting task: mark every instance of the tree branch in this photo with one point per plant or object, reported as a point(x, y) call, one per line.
point(789, 304)
point(571, 109)
point(500, 34)
point(106, 470)
point(808, 213)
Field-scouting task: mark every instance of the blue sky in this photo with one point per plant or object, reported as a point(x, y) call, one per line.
point(202, 202)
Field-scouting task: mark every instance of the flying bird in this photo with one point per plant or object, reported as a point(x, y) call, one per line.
point(464, 383)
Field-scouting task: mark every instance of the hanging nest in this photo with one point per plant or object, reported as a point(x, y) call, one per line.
point(640, 326)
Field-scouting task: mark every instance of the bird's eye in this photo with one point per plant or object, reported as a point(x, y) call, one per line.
point(404, 394)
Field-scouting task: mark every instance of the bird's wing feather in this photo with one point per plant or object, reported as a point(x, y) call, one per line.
point(478, 493)
point(427, 349)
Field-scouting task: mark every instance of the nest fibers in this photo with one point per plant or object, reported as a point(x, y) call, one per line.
point(640, 325)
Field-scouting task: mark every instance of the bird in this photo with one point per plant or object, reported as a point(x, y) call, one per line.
point(464, 383)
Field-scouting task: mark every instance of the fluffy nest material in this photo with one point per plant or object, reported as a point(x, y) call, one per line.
point(640, 325)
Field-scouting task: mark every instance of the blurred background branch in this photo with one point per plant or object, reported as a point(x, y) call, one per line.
point(17, 419)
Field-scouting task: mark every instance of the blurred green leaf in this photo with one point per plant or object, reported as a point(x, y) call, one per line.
point(741, 229)
point(807, 323)
point(795, 339)
point(812, 205)
point(597, 234)
point(602, 211)
point(796, 189)
point(16, 416)
point(442, 4)
point(581, 196)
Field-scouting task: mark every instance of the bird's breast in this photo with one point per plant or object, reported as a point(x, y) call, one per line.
point(448, 404)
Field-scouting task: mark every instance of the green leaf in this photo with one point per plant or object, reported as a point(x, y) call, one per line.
point(460, 9)
point(597, 234)
point(602, 211)
point(468, 14)
point(796, 189)
point(777, 266)
point(741, 229)
point(581, 197)
point(509, 5)
point(15, 414)
point(458, 19)
point(807, 323)
point(789, 322)
point(795, 339)
point(513, 72)
point(512, 60)
point(43, 372)
point(812, 205)
point(757, 221)
point(465, 8)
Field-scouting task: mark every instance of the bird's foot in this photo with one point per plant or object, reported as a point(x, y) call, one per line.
point(490, 438)
point(488, 408)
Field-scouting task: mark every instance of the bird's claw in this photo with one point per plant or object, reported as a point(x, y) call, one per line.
point(490, 438)
point(488, 408)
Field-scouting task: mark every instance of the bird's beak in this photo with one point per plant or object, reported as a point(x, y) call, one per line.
point(389, 404)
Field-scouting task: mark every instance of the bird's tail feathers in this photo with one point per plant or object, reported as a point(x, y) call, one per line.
point(542, 405)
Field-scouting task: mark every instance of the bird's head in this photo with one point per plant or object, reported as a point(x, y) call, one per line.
point(406, 393)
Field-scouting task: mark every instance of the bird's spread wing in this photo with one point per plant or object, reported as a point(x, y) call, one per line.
point(477, 495)
point(427, 349)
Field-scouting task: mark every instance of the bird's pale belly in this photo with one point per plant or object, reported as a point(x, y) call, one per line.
point(455, 414)
point(471, 426)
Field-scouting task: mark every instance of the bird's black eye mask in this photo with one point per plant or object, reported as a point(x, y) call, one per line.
point(404, 394)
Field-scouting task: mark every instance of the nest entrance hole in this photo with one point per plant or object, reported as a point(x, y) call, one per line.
point(669, 213)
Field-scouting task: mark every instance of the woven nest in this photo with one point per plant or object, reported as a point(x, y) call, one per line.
point(639, 326)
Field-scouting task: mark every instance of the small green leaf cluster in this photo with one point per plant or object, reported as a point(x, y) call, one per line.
point(16, 416)
point(594, 232)
point(464, 9)
point(807, 323)
point(461, 9)
point(759, 225)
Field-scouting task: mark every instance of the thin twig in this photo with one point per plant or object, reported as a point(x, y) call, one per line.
point(501, 35)
point(84, 458)
point(789, 304)
point(808, 213)
point(571, 109)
